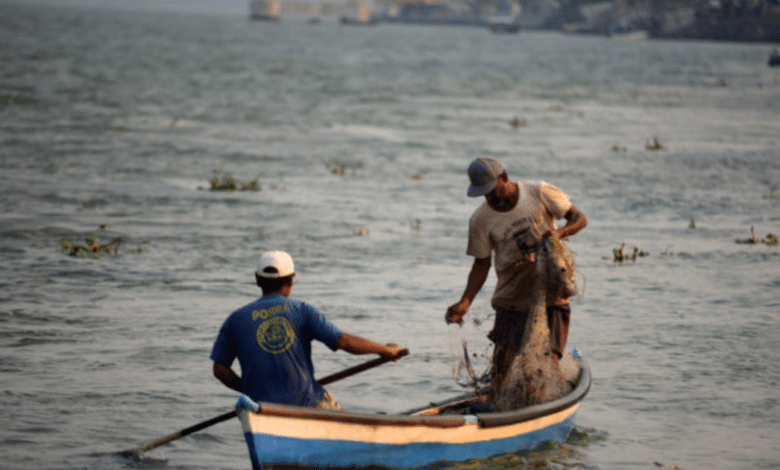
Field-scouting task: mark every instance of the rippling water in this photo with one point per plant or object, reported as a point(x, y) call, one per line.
point(360, 138)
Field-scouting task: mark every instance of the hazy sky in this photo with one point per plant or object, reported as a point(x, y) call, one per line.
point(239, 7)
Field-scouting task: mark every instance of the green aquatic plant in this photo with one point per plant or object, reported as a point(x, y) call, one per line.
point(92, 246)
point(655, 144)
point(619, 255)
point(344, 169)
point(226, 182)
point(517, 123)
point(770, 239)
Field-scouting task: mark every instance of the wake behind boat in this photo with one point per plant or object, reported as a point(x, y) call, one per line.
point(453, 430)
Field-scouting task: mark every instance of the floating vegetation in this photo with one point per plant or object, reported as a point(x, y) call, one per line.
point(92, 246)
point(344, 169)
point(418, 177)
point(655, 144)
point(417, 224)
point(619, 148)
point(517, 123)
point(226, 182)
point(20, 96)
point(771, 196)
point(362, 232)
point(671, 467)
point(619, 255)
point(692, 224)
point(340, 170)
point(769, 240)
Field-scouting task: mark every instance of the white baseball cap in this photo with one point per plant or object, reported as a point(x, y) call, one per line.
point(275, 264)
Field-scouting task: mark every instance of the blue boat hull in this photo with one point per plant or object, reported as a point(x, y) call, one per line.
point(267, 449)
point(307, 437)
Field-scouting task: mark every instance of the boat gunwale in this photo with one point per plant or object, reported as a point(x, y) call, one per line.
point(300, 412)
point(483, 419)
point(505, 418)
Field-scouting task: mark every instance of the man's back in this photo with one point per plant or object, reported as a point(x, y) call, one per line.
point(271, 337)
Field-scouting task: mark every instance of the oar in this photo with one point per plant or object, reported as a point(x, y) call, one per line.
point(360, 368)
point(153, 444)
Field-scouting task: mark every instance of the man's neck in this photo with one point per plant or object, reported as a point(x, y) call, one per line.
point(506, 204)
point(284, 291)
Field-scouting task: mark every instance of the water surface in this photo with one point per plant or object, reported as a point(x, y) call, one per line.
point(359, 138)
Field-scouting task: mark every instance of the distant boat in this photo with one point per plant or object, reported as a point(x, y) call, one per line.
point(511, 28)
point(266, 10)
point(430, 13)
point(635, 35)
point(351, 21)
point(359, 13)
point(774, 59)
point(503, 25)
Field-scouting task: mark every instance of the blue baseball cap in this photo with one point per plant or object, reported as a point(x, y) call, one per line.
point(483, 174)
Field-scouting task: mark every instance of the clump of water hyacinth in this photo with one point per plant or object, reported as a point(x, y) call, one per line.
point(344, 169)
point(517, 123)
point(92, 246)
point(770, 239)
point(619, 254)
point(655, 144)
point(227, 182)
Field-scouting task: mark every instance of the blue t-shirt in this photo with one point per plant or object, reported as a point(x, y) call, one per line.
point(272, 339)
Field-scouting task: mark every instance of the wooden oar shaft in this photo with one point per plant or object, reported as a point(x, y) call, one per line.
point(224, 417)
point(359, 368)
point(176, 435)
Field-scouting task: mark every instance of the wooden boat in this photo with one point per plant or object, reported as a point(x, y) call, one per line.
point(265, 10)
point(453, 430)
point(503, 25)
point(501, 28)
point(358, 13)
point(774, 59)
point(632, 35)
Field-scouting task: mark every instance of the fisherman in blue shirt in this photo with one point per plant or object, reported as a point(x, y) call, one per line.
point(271, 337)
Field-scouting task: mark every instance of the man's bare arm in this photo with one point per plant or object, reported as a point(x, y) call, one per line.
point(575, 221)
point(477, 277)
